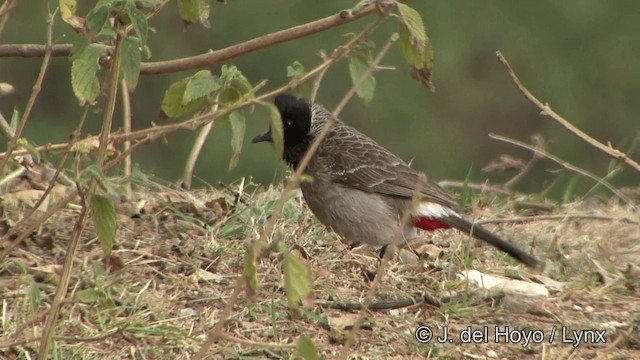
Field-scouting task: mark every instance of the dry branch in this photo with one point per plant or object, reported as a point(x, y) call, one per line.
point(213, 57)
point(546, 110)
point(563, 163)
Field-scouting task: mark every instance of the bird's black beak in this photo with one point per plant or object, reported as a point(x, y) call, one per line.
point(263, 137)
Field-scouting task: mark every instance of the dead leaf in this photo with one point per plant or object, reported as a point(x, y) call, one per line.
point(512, 286)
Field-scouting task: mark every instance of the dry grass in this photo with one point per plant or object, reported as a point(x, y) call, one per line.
point(174, 268)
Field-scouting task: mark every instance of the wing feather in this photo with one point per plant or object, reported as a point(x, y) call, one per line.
point(357, 161)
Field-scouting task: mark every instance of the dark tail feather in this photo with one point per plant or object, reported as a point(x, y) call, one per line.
point(487, 236)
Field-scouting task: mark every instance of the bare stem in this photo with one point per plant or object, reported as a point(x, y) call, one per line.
point(373, 66)
point(5, 11)
point(563, 163)
point(126, 126)
point(35, 91)
point(187, 175)
point(546, 110)
point(61, 290)
point(213, 57)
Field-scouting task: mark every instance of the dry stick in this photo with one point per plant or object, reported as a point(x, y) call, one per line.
point(291, 184)
point(520, 175)
point(318, 80)
point(557, 217)
point(13, 244)
point(563, 163)
point(480, 187)
point(373, 66)
point(35, 91)
point(66, 339)
point(260, 345)
point(546, 110)
point(5, 10)
point(126, 125)
point(5, 127)
point(341, 18)
point(61, 291)
point(213, 57)
point(187, 175)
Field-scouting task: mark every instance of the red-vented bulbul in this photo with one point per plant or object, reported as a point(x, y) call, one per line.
point(361, 190)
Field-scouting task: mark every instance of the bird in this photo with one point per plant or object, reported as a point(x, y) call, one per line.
point(362, 191)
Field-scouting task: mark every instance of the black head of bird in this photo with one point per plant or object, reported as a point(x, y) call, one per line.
point(296, 125)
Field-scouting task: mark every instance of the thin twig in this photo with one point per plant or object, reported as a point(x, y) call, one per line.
point(35, 91)
point(539, 140)
point(373, 66)
point(63, 285)
point(187, 174)
point(75, 135)
point(563, 163)
point(126, 126)
point(260, 345)
point(67, 339)
point(5, 127)
point(546, 110)
point(478, 187)
point(523, 219)
point(318, 79)
point(211, 58)
point(5, 11)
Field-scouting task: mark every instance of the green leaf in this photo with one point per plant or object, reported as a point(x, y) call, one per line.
point(306, 349)
point(88, 296)
point(67, 8)
point(172, 105)
point(131, 59)
point(358, 67)
point(94, 171)
point(234, 85)
point(68, 13)
point(35, 154)
point(140, 24)
point(192, 11)
point(297, 280)
point(84, 69)
point(104, 220)
point(295, 70)
point(415, 45)
point(15, 118)
point(250, 271)
point(238, 127)
point(97, 18)
point(202, 84)
point(419, 62)
point(275, 125)
point(414, 25)
point(188, 10)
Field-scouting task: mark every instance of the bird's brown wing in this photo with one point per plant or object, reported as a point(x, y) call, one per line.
point(355, 160)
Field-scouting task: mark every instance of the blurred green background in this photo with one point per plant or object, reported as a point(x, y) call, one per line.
point(581, 56)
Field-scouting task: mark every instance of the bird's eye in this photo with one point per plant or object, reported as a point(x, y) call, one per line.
point(288, 123)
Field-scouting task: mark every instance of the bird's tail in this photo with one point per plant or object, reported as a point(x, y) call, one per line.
point(432, 213)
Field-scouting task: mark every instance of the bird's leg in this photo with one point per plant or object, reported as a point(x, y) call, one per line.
point(383, 250)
